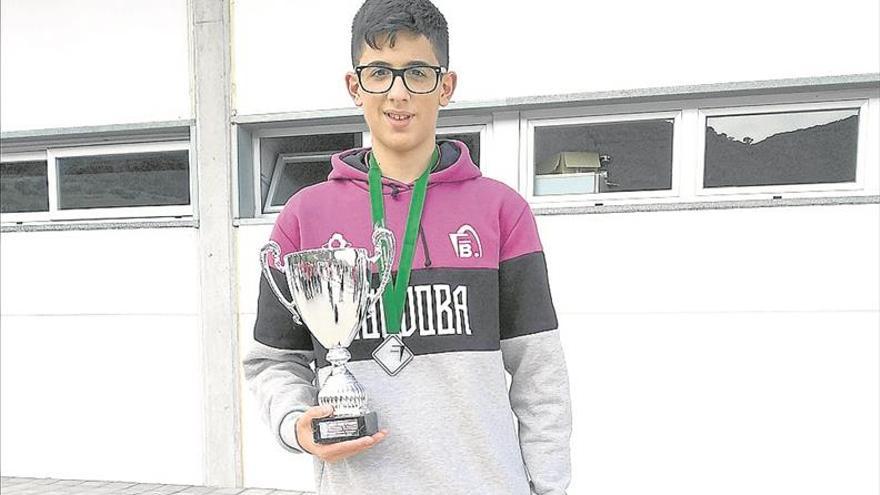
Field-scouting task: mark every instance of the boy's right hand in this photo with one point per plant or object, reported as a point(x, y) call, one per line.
point(334, 451)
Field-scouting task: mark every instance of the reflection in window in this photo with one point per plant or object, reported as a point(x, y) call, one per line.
point(131, 179)
point(599, 158)
point(290, 163)
point(781, 148)
point(471, 139)
point(24, 187)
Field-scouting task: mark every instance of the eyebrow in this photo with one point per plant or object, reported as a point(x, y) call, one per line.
point(411, 62)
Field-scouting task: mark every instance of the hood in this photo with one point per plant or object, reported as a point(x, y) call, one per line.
point(455, 166)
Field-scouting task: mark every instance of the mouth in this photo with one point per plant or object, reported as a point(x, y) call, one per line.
point(398, 119)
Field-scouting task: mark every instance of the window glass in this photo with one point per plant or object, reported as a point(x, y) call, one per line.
point(131, 179)
point(603, 158)
point(471, 139)
point(781, 148)
point(24, 187)
point(296, 175)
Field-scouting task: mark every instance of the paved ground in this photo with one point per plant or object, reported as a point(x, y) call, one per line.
point(51, 486)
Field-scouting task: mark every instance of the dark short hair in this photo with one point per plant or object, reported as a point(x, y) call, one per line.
point(377, 17)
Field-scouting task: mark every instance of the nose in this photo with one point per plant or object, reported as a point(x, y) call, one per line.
point(398, 89)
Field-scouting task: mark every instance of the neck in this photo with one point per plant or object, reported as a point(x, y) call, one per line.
point(404, 166)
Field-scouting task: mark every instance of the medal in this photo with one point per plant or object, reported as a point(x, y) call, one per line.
point(392, 354)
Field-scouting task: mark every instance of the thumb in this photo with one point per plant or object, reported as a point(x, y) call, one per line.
point(322, 411)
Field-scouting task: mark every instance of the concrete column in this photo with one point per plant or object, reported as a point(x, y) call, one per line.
point(211, 89)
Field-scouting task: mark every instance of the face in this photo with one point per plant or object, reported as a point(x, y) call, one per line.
point(401, 136)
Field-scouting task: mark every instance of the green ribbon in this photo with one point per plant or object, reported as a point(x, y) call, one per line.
point(395, 291)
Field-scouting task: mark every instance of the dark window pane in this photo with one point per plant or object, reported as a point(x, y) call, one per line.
point(297, 175)
point(598, 158)
point(471, 139)
point(134, 179)
point(781, 148)
point(24, 187)
point(272, 148)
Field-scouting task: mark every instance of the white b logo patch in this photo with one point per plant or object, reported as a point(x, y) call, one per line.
point(466, 242)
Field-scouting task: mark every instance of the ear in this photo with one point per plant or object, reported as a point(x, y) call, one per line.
point(353, 88)
point(447, 87)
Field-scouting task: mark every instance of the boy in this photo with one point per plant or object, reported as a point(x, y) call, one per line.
point(478, 299)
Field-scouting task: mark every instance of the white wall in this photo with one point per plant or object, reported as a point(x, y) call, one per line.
point(92, 62)
point(504, 50)
point(721, 351)
point(715, 351)
point(101, 373)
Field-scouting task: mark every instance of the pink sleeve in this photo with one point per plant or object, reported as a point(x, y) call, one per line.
point(286, 231)
point(519, 232)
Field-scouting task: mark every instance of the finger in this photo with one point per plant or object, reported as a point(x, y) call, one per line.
point(318, 412)
point(347, 448)
point(304, 426)
point(379, 436)
point(302, 435)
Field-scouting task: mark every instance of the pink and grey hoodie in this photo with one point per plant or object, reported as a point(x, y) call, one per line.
point(478, 303)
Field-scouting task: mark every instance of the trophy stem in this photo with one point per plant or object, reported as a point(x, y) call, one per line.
point(338, 356)
point(341, 390)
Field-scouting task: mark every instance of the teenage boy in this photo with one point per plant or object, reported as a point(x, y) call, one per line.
point(477, 301)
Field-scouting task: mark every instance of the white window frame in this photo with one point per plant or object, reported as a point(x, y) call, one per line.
point(51, 155)
point(256, 143)
point(530, 121)
point(863, 153)
point(31, 216)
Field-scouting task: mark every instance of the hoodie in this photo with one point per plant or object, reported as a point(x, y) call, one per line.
point(478, 308)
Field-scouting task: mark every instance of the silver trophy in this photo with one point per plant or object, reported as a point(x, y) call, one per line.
point(330, 294)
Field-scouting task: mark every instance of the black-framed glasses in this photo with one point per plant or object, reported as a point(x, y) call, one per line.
point(419, 79)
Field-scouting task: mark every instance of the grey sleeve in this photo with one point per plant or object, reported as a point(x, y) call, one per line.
point(532, 354)
point(278, 369)
point(539, 397)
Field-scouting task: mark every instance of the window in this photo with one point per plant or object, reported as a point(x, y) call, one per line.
point(762, 148)
point(679, 148)
point(471, 139)
point(290, 163)
point(293, 172)
point(24, 186)
point(118, 180)
point(104, 181)
point(603, 156)
point(274, 163)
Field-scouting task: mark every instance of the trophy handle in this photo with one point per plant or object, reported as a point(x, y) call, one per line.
point(383, 249)
point(273, 248)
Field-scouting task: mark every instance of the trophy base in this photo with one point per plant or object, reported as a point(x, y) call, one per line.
point(336, 429)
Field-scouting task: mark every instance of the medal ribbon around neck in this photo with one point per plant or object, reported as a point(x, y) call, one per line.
point(395, 292)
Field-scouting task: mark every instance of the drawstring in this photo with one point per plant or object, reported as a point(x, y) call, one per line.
point(395, 190)
point(425, 247)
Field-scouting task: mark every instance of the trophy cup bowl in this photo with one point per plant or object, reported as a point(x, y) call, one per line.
point(330, 294)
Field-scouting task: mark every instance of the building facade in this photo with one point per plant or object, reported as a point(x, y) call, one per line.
point(707, 193)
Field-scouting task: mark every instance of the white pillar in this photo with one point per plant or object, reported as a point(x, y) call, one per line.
point(210, 58)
